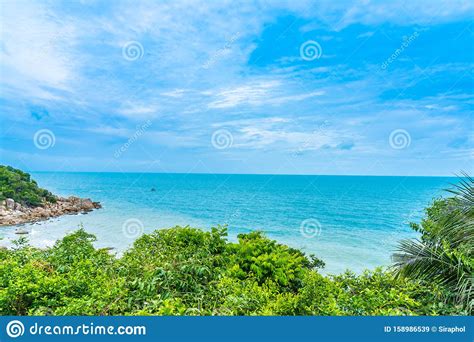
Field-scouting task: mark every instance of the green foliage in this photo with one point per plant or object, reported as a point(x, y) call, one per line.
point(186, 271)
point(258, 257)
point(179, 265)
point(382, 293)
point(19, 186)
point(71, 278)
point(444, 254)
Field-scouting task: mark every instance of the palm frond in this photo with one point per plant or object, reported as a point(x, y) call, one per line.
point(445, 255)
point(464, 193)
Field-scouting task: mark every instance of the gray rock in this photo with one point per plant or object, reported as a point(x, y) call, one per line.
point(86, 204)
point(10, 204)
point(13, 213)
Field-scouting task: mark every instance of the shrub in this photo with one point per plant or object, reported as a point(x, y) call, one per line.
point(264, 260)
point(187, 271)
point(169, 264)
point(71, 278)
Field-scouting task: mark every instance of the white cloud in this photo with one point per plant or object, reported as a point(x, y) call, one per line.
point(138, 110)
point(339, 14)
point(366, 34)
point(297, 97)
point(258, 138)
point(176, 93)
point(261, 122)
point(257, 93)
point(253, 94)
point(36, 49)
point(405, 12)
point(283, 133)
point(112, 131)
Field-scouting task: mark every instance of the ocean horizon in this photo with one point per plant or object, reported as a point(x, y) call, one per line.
point(351, 222)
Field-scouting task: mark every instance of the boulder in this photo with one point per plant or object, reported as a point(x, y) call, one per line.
point(86, 204)
point(74, 200)
point(12, 213)
point(10, 204)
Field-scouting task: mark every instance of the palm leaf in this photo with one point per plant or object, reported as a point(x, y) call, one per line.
point(447, 257)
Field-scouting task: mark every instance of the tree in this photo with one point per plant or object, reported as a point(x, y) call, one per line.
point(444, 252)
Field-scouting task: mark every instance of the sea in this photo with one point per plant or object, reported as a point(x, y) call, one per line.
point(350, 222)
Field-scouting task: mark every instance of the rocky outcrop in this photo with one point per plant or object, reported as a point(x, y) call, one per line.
point(12, 213)
point(10, 204)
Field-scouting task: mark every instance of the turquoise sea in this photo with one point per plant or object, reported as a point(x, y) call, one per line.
point(351, 222)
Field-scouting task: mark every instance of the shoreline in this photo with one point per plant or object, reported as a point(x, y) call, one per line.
point(13, 213)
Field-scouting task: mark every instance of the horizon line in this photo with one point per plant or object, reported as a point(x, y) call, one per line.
point(250, 174)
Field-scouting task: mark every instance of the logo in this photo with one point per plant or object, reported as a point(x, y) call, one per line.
point(132, 228)
point(310, 228)
point(222, 139)
point(15, 329)
point(44, 139)
point(132, 51)
point(399, 139)
point(310, 50)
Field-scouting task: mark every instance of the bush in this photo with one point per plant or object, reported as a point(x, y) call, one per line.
point(174, 264)
point(186, 271)
point(258, 257)
point(71, 278)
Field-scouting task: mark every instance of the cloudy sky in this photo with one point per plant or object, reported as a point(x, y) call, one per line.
point(294, 87)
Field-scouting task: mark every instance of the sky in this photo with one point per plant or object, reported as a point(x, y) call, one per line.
point(271, 87)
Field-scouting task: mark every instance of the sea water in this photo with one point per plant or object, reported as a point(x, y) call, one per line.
point(350, 222)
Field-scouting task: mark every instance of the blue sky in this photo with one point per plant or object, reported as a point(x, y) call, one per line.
point(293, 87)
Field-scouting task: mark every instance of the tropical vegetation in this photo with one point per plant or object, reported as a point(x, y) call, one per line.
point(187, 271)
point(444, 254)
point(19, 186)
